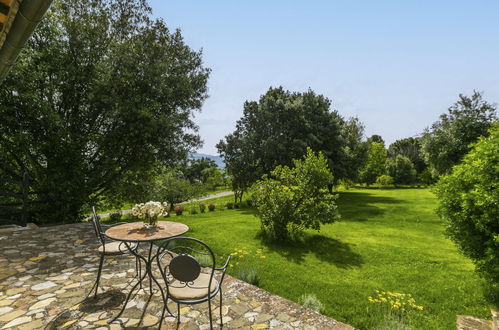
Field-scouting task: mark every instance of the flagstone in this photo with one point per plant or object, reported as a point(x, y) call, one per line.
point(18, 321)
point(31, 325)
point(43, 303)
point(6, 302)
point(44, 285)
point(12, 315)
point(5, 310)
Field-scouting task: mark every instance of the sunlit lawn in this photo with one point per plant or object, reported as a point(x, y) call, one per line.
point(388, 240)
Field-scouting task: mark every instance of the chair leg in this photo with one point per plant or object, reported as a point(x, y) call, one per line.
point(162, 317)
point(221, 320)
point(209, 313)
point(178, 315)
point(101, 262)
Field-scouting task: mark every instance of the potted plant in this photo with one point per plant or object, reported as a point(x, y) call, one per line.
point(149, 212)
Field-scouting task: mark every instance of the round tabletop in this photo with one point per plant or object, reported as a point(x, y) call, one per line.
point(135, 231)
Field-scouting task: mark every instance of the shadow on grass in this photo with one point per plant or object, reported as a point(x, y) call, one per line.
point(324, 248)
point(361, 206)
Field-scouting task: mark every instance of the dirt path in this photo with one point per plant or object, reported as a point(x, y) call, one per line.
point(220, 194)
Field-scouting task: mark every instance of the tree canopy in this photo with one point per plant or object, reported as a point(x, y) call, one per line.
point(277, 129)
point(449, 139)
point(375, 165)
point(101, 91)
point(469, 205)
point(410, 148)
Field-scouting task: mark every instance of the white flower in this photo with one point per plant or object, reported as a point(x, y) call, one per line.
point(150, 210)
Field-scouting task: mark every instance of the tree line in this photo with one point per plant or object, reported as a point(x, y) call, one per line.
point(281, 125)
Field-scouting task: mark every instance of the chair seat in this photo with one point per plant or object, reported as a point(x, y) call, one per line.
point(193, 290)
point(116, 247)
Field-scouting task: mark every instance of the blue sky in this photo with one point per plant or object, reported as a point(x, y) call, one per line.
point(397, 65)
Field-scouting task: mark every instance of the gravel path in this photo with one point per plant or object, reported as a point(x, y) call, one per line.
point(220, 194)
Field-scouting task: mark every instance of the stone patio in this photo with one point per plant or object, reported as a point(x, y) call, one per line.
point(46, 273)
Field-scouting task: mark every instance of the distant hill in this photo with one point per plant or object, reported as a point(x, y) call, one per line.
point(217, 159)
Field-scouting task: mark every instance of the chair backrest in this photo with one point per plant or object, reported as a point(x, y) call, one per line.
point(183, 259)
point(97, 226)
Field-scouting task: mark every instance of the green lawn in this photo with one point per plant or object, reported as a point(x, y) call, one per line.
point(388, 240)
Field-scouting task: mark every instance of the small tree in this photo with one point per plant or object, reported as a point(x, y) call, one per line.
point(292, 199)
point(469, 205)
point(172, 188)
point(401, 169)
point(375, 165)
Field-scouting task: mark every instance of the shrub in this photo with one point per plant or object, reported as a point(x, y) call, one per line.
point(115, 217)
point(311, 301)
point(469, 205)
point(291, 199)
point(202, 207)
point(193, 210)
point(179, 209)
point(384, 180)
point(229, 205)
point(347, 183)
point(211, 207)
point(401, 169)
point(248, 275)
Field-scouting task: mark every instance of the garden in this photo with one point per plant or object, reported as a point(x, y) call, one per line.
point(388, 240)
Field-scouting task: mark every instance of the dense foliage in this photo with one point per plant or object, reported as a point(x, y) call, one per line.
point(410, 148)
point(100, 93)
point(449, 139)
point(355, 148)
point(401, 170)
point(293, 198)
point(277, 129)
point(469, 205)
point(375, 165)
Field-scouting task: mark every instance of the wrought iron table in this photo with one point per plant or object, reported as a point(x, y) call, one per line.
point(135, 232)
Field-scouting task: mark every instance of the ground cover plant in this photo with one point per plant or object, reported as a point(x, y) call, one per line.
point(388, 240)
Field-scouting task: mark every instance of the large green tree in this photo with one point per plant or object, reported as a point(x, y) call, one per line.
point(101, 90)
point(449, 139)
point(277, 129)
point(410, 148)
point(469, 205)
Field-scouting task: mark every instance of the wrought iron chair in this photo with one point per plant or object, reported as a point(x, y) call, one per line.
point(187, 266)
point(109, 248)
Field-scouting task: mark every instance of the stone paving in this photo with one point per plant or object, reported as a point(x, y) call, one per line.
point(46, 273)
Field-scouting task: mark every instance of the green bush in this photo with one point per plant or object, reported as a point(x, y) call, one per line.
point(248, 275)
point(384, 180)
point(229, 205)
point(469, 205)
point(291, 199)
point(211, 207)
point(401, 169)
point(193, 210)
point(115, 217)
point(202, 207)
point(311, 301)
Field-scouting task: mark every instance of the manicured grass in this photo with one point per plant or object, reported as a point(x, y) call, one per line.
point(388, 240)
